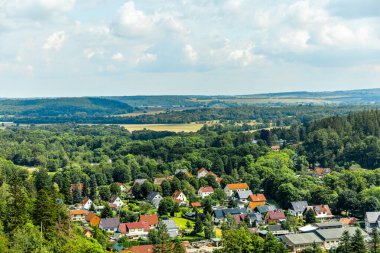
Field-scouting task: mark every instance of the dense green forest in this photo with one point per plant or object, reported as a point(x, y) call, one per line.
point(276, 115)
point(79, 107)
point(54, 157)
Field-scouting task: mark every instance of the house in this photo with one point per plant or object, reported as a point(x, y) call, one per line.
point(253, 205)
point(322, 212)
point(276, 148)
point(257, 198)
point(140, 249)
point(205, 191)
point(348, 221)
point(86, 203)
point(179, 197)
point(87, 233)
point(196, 204)
point(159, 180)
point(277, 230)
point(117, 202)
point(92, 219)
point(172, 228)
point(238, 218)
point(243, 195)
point(331, 237)
point(319, 172)
point(74, 187)
point(77, 215)
point(328, 225)
point(298, 242)
point(139, 181)
point(297, 208)
point(109, 224)
point(220, 215)
point(231, 188)
point(184, 171)
point(265, 209)
point(202, 173)
point(255, 219)
point(275, 216)
point(134, 229)
point(122, 187)
point(150, 219)
point(154, 198)
point(372, 220)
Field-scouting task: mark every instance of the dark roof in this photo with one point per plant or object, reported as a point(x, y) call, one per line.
point(274, 228)
point(222, 213)
point(110, 223)
point(265, 209)
point(152, 195)
point(299, 206)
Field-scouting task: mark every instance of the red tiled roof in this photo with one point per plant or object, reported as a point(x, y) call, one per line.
point(257, 197)
point(176, 194)
point(322, 209)
point(238, 186)
point(196, 204)
point(276, 215)
point(139, 249)
point(206, 189)
point(275, 147)
point(151, 219)
point(84, 200)
point(76, 212)
point(201, 170)
point(125, 227)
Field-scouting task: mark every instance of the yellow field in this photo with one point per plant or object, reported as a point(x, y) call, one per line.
point(187, 128)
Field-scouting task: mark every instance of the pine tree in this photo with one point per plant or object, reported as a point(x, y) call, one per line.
point(375, 240)
point(93, 188)
point(66, 188)
point(357, 242)
point(345, 242)
point(164, 245)
point(107, 212)
point(198, 226)
point(17, 211)
point(209, 227)
point(310, 216)
point(178, 247)
point(77, 196)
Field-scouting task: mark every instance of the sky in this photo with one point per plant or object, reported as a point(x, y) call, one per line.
point(51, 48)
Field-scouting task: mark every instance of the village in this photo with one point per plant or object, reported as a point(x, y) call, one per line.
point(196, 221)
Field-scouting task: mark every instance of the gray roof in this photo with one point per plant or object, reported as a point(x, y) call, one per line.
point(152, 195)
point(336, 224)
point(244, 194)
point(299, 206)
point(140, 181)
point(300, 239)
point(266, 208)
point(336, 233)
point(109, 223)
point(170, 224)
point(255, 216)
point(372, 217)
point(222, 213)
point(274, 228)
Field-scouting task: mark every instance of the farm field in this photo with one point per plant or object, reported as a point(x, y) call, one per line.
point(191, 127)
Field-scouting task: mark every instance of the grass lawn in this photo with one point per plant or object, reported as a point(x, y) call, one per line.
point(181, 222)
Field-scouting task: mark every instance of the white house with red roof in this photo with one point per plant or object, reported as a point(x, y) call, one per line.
point(86, 203)
point(122, 187)
point(205, 191)
point(134, 229)
point(202, 173)
point(179, 197)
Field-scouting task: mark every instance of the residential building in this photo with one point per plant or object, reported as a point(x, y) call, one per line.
point(109, 224)
point(257, 198)
point(243, 195)
point(154, 198)
point(297, 242)
point(220, 215)
point(276, 148)
point(117, 202)
point(277, 230)
point(255, 219)
point(321, 172)
point(231, 188)
point(122, 187)
point(372, 220)
point(172, 228)
point(179, 197)
point(92, 219)
point(275, 216)
point(86, 203)
point(159, 180)
point(139, 181)
point(253, 205)
point(265, 209)
point(196, 204)
point(297, 208)
point(205, 191)
point(134, 229)
point(322, 212)
point(331, 237)
point(140, 249)
point(77, 215)
point(151, 219)
point(329, 225)
point(202, 173)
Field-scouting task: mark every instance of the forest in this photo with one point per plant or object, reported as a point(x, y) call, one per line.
point(40, 163)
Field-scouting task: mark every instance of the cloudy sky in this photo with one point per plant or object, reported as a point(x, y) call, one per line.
point(119, 47)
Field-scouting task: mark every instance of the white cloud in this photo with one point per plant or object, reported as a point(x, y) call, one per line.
point(118, 57)
point(89, 53)
point(190, 54)
point(55, 41)
point(145, 58)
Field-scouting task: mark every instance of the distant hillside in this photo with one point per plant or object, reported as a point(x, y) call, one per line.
point(63, 107)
